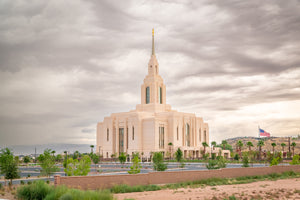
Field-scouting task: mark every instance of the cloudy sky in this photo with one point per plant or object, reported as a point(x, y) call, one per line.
point(64, 65)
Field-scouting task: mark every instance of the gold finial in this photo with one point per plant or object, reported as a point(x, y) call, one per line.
point(153, 52)
point(153, 32)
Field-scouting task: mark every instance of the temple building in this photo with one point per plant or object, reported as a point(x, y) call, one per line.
point(153, 126)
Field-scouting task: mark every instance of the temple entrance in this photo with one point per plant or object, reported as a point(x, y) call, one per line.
point(121, 140)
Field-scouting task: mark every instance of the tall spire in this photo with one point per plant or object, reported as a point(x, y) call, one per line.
point(153, 52)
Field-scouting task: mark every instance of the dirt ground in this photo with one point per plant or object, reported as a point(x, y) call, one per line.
point(280, 189)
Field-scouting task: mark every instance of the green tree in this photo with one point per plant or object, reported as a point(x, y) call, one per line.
point(273, 146)
point(58, 158)
point(213, 144)
point(224, 143)
point(260, 144)
point(245, 161)
point(136, 166)
point(293, 147)
point(47, 162)
point(53, 152)
point(8, 165)
point(158, 162)
point(78, 168)
point(283, 145)
point(240, 144)
point(95, 158)
point(26, 159)
point(178, 155)
point(122, 158)
point(204, 144)
point(92, 148)
point(249, 145)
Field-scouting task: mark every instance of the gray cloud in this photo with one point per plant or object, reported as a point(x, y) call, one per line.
point(66, 65)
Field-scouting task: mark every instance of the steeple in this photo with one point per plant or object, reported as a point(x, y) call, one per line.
point(153, 52)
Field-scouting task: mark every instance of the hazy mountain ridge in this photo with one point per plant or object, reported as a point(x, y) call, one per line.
point(59, 148)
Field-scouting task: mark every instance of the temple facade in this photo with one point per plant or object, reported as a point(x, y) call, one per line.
point(153, 126)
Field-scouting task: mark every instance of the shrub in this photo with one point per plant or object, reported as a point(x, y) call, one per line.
point(37, 190)
point(275, 161)
point(40, 190)
point(222, 162)
point(22, 182)
point(1, 186)
point(296, 160)
point(158, 162)
point(178, 155)
point(212, 164)
point(122, 158)
point(236, 157)
point(136, 166)
point(245, 161)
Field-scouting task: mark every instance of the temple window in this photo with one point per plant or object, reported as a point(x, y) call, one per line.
point(107, 135)
point(133, 133)
point(177, 134)
point(187, 132)
point(147, 95)
point(161, 137)
point(160, 95)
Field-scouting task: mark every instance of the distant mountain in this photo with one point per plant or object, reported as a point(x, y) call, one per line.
point(268, 141)
point(59, 148)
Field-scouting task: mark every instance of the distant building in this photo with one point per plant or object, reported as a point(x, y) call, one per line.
point(153, 125)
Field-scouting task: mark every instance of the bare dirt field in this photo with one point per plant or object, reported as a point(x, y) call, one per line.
point(280, 189)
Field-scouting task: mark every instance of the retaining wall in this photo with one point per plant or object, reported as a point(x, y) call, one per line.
point(107, 181)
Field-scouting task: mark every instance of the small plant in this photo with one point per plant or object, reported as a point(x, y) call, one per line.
point(47, 181)
point(296, 160)
point(29, 182)
point(245, 161)
point(158, 162)
point(122, 158)
point(212, 164)
point(28, 175)
point(236, 157)
point(22, 182)
point(1, 186)
point(275, 161)
point(136, 166)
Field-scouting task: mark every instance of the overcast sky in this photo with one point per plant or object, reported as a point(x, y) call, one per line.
point(65, 65)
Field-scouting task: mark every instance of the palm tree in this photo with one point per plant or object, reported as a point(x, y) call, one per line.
point(249, 144)
point(92, 148)
point(283, 145)
point(204, 145)
point(53, 152)
point(213, 144)
point(240, 144)
point(260, 144)
point(293, 147)
point(224, 142)
point(273, 145)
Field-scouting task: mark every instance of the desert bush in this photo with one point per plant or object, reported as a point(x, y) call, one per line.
point(136, 166)
point(236, 157)
point(40, 190)
point(37, 190)
point(212, 164)
point(158, 162)
point(245, 161)
point(138, 188)
point(275, 161)
point(296, 160)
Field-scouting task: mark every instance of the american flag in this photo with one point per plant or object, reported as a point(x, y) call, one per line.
point(264, 133)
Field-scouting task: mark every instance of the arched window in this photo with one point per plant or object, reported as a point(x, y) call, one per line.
point(107, 135)
point(187, 134)
point(204, 135)
point(147, 95)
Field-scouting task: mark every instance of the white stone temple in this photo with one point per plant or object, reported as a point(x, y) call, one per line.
point(153, 126)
